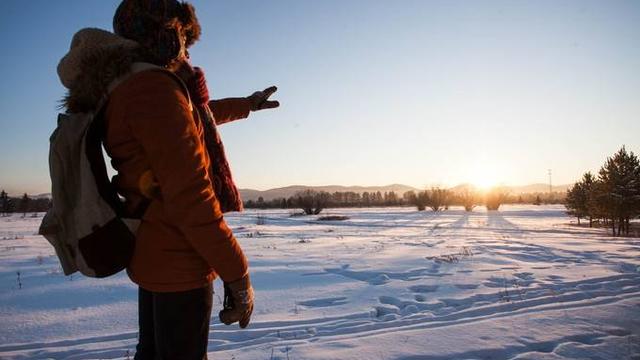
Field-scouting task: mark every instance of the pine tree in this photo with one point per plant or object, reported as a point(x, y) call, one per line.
point(419, 200)
point(24, 204)
point(619, 191)
point(4, 203)
point(587, 184)
point(577, 201)
point(538, 201)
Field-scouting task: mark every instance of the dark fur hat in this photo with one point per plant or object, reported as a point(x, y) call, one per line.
point(163, 27)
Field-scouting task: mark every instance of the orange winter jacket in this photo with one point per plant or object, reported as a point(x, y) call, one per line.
point(151, 131)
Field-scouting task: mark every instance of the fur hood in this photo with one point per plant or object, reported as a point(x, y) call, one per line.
point(96, 58)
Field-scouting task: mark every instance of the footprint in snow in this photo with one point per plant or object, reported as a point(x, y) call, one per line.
point(466, 286)
point(423, 288)
point(325, 302)
point(555, 278)
point(524, 275)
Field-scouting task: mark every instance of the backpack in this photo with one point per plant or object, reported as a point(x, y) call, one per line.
point(87, 224)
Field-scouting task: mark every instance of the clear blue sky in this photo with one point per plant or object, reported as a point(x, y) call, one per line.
point(372, 92)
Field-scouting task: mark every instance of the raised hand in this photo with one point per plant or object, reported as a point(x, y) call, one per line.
point(260, 99)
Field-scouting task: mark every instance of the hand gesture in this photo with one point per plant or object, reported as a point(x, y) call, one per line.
point(260, 99)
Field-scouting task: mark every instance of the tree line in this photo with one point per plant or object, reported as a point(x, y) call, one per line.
point(612, 197)
point(436, 199)
point(24, 204)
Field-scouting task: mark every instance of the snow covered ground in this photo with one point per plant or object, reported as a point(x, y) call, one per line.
point(393, 283)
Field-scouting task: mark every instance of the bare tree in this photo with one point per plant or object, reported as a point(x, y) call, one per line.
point(495, 197)
point(419, 200)
point(24, 204)
point(438, 198)
point(312, 202)
point(468, 198)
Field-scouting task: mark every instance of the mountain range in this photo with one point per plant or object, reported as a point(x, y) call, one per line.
point(285, 192)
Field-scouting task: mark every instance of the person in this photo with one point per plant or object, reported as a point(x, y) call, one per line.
point(160, 131)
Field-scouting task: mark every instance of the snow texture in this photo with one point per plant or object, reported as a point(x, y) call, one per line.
point(393, 283)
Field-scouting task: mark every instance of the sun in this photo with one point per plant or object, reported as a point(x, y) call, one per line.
point(485, 177)
point(484, 181)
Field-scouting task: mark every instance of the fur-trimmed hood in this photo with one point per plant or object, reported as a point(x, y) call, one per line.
point(96, 58)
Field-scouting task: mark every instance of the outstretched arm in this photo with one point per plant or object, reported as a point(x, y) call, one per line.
point(230, 109)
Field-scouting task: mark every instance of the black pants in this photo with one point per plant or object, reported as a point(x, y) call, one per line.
point(174, 325)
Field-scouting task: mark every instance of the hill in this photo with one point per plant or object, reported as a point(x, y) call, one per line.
point(285, 192)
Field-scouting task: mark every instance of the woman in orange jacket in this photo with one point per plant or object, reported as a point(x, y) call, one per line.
point(161, 136)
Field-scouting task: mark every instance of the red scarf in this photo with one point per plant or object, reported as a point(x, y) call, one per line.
point(220, 172)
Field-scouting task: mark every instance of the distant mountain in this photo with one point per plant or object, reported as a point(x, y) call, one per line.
point(539, 188)
point(285, 192)
point(41, 196)
point(523, 189)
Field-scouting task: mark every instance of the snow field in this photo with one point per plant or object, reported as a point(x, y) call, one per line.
point(388, 283)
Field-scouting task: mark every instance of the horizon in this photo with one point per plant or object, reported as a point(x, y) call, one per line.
point(419, 93)
point(21, 193)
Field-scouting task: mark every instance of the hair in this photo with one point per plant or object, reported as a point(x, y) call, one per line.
point(189, 22)
point(164, 28)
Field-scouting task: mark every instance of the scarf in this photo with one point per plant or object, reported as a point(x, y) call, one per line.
point(219, 172)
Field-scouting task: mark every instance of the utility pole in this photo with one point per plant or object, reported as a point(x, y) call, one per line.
point(550, 184)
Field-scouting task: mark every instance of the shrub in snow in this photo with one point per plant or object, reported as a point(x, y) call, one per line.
point(312, 202)
point(494, 198)
point(438, 198)
point(467, 197)
point(418, 200)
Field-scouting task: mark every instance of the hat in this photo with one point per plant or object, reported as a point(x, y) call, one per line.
point(157, 24)
point(85, 42)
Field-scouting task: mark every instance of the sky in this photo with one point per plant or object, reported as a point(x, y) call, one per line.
point(372, 92)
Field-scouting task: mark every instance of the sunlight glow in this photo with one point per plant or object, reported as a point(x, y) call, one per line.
point(485, 181)
point(485, 176)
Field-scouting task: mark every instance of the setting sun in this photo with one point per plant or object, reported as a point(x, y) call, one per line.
point(485, 181)
point(485, 175)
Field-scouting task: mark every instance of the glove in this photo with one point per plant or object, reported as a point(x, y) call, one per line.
point(260, 99)
point(238, 302)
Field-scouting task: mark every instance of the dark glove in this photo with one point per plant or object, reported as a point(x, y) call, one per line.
point(238, 302)
point(260, 99)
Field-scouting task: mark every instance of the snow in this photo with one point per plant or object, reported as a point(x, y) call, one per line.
point(388, 283)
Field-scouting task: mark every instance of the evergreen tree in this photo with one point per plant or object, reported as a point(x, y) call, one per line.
point(4, 203)
point(391, 198)
point(578, 198)
point(419, 200)
point(24, 204)
point(538, 201)
point(587, 185)
point(619, 192)
point(366, 199)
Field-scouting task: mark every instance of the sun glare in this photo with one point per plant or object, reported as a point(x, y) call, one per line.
point(485, 181)
point(485, 177)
